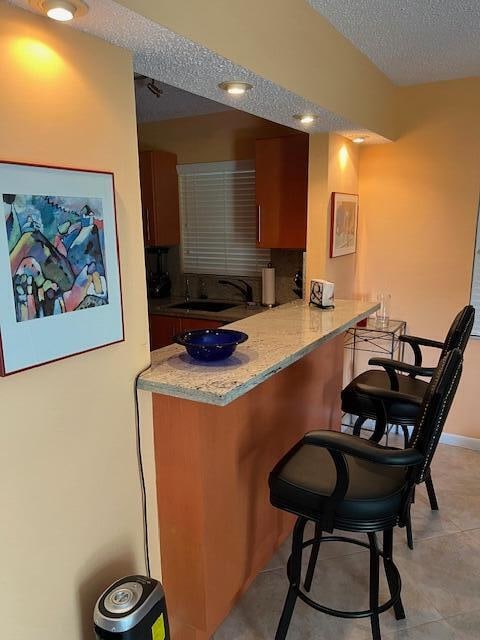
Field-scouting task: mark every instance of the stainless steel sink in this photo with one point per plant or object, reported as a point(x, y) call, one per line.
point(204, 305)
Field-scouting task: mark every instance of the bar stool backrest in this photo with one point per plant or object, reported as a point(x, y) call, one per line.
point(459, 332)
point(435, 408)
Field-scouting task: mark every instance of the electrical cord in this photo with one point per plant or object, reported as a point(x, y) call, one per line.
point(141, 473)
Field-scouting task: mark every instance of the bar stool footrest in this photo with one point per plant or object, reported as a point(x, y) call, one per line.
point(367, 613)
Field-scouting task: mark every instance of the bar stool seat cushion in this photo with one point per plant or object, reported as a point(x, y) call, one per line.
point(399, 412)
point(301, 483)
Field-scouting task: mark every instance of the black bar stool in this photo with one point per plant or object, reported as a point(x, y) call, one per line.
point(402, 410)
point(339, 481)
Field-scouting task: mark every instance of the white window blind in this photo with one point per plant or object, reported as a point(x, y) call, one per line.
point(475, 295)
point(219, 219)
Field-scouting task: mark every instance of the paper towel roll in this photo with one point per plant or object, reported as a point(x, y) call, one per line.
point(268, 286)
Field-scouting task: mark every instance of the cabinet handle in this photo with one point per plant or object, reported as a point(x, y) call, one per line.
point(259, 223)
point(148, 224)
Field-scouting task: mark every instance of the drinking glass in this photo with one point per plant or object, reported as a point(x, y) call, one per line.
point(383, 312)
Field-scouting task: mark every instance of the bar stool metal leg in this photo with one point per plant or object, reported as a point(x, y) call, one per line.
point(374, 585)
point(313, 558)
point(406, 436)
point(387, 563)
point(294, 576)
point(357, 427)
point(431, 493)
point(408, 527)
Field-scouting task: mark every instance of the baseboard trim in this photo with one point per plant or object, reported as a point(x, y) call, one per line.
point(455, 440)
point(452, 439)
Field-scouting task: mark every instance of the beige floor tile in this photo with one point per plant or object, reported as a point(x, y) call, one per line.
point(256, 616)
point(456, 476)
point(447, 568)
point(340, 582)
point(427, 523)
point(465, 626)
point(327, 550)
point(431, 631)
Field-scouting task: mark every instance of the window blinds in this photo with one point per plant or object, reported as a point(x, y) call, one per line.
point(219, 219)
point(475, 295)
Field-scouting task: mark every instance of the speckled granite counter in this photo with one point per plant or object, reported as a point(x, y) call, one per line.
point(277, 338)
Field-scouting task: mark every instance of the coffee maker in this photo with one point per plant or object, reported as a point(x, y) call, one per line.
point(158, 280)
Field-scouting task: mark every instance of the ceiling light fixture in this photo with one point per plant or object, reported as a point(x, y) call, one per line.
point(61, 10)
point(235, 88)
point(358, 139)
point(306, 118)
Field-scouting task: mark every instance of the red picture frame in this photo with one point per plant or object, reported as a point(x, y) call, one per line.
point(116, 279)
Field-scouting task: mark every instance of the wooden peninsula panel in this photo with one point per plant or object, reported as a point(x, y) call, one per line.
point(217, 528)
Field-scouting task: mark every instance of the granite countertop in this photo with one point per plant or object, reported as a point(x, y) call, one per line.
point(163, 307)
point(277, 338)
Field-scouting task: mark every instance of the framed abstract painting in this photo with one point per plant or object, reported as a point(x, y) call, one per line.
point(60, 290)
point(343, 224)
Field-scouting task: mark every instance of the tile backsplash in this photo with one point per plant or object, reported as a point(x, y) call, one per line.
point(285, 261)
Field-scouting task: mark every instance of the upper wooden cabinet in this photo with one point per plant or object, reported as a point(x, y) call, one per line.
point(281, 185)
point(159, 184)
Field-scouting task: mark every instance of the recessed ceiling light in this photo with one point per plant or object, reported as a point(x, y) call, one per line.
point(306, 118)
point(61, 10)
point(358, 139)
point(235, 88)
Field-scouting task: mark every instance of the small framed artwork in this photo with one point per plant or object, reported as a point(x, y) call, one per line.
point(60, 290)
point(343, 224)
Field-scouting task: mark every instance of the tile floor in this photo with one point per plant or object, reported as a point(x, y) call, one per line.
point(441, 576)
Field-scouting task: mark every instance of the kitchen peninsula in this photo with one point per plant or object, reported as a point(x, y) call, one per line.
point(219, 430)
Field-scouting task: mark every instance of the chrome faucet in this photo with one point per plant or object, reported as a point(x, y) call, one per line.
point(246, 292)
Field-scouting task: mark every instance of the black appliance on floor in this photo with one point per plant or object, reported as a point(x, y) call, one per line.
point(132, 608)
point(158, 281)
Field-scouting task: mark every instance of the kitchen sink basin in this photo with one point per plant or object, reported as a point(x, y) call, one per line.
point(204, 305)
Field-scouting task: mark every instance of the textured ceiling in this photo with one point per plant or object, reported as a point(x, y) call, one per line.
point(411, 41)
point(170, 58)
point(173, 103)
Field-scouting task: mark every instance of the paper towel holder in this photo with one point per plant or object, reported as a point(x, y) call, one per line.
point(268, 286)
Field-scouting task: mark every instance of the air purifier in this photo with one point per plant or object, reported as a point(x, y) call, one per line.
point(132, 608)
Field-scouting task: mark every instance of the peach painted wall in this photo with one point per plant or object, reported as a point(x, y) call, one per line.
point(333, 166)
point(343, 166)
point(70, 498)
point(419, 202)
point(317, 220)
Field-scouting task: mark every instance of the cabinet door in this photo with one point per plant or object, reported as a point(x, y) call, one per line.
point(281, 187)
point(162, 330)
point(190, 324)
point(160, 202)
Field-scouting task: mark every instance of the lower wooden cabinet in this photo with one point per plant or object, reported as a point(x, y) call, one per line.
point(164, 328)
point(198, 323)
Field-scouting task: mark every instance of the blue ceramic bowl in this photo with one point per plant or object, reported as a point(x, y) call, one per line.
point(211, 344)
